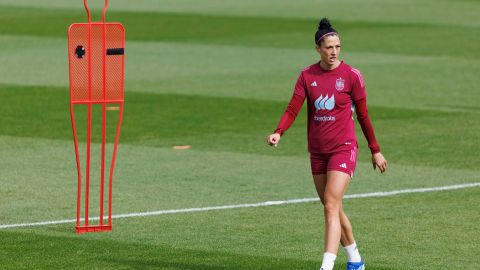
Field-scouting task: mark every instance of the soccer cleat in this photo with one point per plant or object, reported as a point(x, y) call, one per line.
point(355, 266)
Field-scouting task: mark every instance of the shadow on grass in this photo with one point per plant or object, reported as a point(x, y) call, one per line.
point(27, 250)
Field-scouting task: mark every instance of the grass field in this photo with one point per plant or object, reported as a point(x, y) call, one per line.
point(217, 75)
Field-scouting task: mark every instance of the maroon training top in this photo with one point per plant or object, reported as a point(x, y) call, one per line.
point(331, 97)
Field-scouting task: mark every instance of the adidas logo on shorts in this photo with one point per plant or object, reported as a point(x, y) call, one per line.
point(343, 165)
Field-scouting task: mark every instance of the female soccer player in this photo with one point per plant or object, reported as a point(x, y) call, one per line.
point(333, 90)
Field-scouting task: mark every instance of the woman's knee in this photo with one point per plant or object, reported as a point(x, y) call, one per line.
point(332, 206)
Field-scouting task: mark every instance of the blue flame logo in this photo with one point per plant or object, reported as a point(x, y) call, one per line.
point(324, 103)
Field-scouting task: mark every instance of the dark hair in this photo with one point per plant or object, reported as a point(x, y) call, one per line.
point(324, 29)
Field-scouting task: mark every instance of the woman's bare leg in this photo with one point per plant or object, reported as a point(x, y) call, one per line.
point(320, 181)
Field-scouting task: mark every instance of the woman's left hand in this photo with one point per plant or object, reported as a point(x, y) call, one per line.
point(379, 161)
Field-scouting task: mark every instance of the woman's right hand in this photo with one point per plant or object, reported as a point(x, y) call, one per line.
point(273, 139)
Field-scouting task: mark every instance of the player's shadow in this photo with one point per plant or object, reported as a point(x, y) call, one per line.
point(188, 259)
point(165, 257)
point(235, 262)
point(41, 250)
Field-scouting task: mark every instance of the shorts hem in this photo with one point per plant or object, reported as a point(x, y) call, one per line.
point(349, 173)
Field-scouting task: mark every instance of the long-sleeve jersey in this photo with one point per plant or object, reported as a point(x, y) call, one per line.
point(332, 96)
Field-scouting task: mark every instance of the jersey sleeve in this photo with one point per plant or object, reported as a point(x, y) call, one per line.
point(358, 85)
point(294, 106)
point(300, 87)
point(366, 125)
point(290, 114)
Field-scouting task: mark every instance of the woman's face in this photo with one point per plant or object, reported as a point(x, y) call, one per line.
point(329, 49)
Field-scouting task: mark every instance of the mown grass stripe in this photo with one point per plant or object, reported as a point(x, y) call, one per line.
point(429, 39)
point(248, 205)
point(238, 125)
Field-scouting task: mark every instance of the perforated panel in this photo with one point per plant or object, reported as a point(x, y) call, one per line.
point(115, 63)
point(78, 37)
point(87, 72)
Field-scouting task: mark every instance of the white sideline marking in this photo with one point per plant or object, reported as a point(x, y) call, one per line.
point(248, 205)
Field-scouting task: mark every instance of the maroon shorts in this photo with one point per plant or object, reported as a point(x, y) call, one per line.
point(343, 161)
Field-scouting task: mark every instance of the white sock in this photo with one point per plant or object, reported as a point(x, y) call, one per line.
point(352, 253)
point(328, 261)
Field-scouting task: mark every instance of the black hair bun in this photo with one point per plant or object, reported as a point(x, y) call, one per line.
point(324, 24)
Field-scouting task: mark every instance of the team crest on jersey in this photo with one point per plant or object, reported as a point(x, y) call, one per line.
point(340, 84)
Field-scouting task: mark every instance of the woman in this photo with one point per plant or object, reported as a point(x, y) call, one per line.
point(333, 90)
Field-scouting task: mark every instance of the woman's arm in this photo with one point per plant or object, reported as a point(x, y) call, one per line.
point(290, 114)
point(362, 115)
point(287, 119)
point(366, 124)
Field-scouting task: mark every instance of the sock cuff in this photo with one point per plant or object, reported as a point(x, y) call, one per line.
point(352, 253)
point(351, 247)
point(329, 256)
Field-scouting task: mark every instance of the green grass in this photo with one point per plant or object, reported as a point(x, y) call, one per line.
point(240, 125)
point(41, 185)
point(217, 75)
point(399, 38)
point(243, 239)
point(441, 12)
